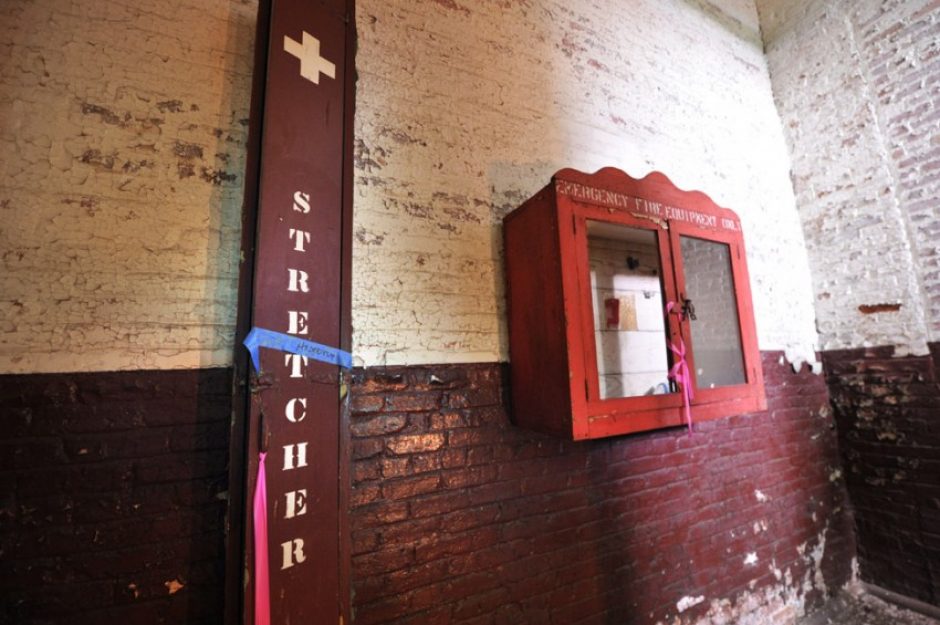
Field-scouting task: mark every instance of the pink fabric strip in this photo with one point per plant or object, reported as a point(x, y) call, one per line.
point(680, 372)
point(260, 516)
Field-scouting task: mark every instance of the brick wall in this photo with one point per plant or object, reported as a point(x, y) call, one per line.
point(857, 84)
point(459, 517)
point(899, 41)
point(888, 414)
point(123, 139)
point(112, 496)
point(465, 109)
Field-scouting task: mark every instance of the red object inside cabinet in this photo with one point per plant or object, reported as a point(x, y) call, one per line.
point(616, 286)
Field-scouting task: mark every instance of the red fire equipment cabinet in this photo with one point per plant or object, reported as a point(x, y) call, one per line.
point(629, 308)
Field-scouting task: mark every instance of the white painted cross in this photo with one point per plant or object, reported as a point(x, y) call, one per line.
point(311, 63)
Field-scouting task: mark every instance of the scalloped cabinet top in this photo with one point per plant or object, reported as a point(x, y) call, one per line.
point(629, 308)
point(616, 190)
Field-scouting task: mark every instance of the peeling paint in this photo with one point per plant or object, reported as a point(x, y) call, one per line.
point(869, 228)
point(121, 222)
point(687, 602)
point(435, 174)
point(779, 604)
point(817, 553)
point(870, 309)
point(659, 222)
point(173, 586)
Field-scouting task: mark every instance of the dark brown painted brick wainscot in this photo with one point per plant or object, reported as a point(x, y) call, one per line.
point(888, 412)
point(112, 496)
point(460, 517)
point(111, 486)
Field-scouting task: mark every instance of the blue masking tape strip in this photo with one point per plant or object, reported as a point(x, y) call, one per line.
point(259, 337)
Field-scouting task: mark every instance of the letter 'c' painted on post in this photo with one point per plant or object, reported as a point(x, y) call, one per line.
point(290, 410)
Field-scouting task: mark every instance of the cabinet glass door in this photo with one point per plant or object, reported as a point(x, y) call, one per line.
point(630, 334)
point(712, 313)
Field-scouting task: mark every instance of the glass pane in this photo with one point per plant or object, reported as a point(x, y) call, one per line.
point(716, 340)
point(629, 324)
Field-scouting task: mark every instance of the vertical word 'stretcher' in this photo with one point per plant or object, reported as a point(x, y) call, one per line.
point(298, 313)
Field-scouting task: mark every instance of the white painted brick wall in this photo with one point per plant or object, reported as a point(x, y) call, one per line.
point(121, 164)
point(123, 145)
point(858, 88)
point(464, 109)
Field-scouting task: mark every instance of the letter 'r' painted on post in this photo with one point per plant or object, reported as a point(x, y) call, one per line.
point(292, 552)
point(297, 281)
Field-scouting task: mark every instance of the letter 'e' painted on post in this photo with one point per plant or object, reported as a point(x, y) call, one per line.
point(301, 202)
point(290, 454)
point(296, 501)
point(297, 322)
point(293, 552)
point(290, 410)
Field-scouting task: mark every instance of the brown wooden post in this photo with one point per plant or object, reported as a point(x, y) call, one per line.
point(295, 280)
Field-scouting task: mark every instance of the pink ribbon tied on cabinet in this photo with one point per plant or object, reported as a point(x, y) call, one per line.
point(680, 371)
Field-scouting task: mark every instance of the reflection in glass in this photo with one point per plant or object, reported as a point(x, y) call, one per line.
point(716, 342)
point(629, 326)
